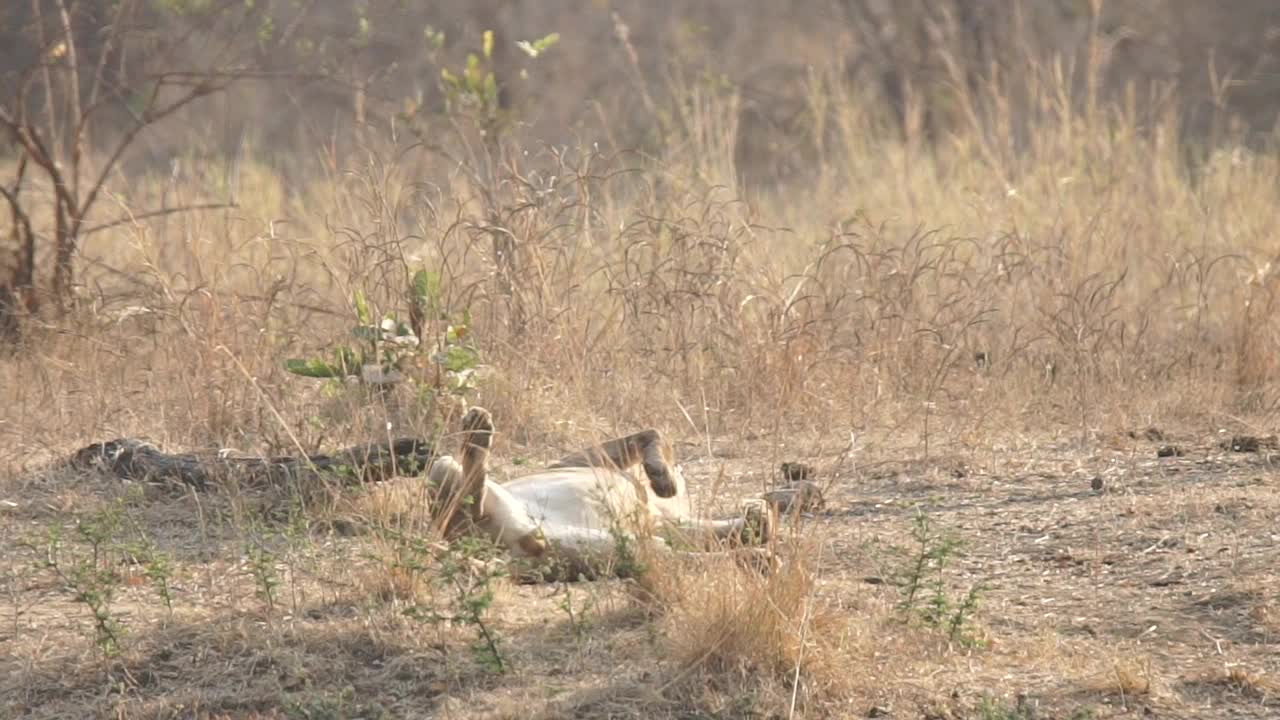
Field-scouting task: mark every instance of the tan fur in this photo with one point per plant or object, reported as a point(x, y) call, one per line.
point(570, 519)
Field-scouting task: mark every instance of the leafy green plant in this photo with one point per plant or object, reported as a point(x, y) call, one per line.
point(1021, 708)
point(85, 560)
point(926, 594)
point(407, 560)
point(454, 357)
point(627, 560)
point(85, 565)
point(262, 567)
point(386, 349)
point(158, 571)
point(992, 708)
point(473, 90)
point(156, 564)
point(156, 567)
point(465, 570)
point(476, 112)
point(579, 614)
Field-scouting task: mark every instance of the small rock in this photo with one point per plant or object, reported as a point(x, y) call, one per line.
point(345, 527)
point(1153, 434)
point(1096, 483)
point(794, 471)
point(1169, 451)
point(800, 496)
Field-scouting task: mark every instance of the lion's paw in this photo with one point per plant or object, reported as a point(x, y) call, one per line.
point(478, 426)
point(759, 522)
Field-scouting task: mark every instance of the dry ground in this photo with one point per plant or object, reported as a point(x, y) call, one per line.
point(1155, 596)
point(996, 314)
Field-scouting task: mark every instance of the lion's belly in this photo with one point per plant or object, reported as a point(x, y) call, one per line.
point(575, 497)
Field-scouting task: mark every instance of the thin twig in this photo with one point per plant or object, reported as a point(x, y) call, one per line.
point(157, 213)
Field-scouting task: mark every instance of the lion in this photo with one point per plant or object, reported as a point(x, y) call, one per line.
point(582, 516)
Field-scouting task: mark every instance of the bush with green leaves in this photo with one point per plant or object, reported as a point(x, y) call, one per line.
point(386, 346)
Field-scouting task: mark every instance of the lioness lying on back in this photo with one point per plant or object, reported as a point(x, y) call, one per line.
point(569, 520)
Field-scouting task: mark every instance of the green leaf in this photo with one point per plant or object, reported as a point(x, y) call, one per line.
point(266, 28)
point(539, 46)
point(490, 90)
point(347, 361)
point(428, 290)
point(364, 30)
point(362, 308)
point(434, 38)
point(546, 42)
point(459, 358)
point(312, 368)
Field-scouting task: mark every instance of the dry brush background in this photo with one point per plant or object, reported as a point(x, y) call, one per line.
point(977, 262)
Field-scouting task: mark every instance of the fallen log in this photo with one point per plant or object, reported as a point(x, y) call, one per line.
point(136, 460)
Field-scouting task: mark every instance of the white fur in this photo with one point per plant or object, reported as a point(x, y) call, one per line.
point(581, 512)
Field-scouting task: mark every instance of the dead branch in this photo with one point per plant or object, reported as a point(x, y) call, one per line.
point(137, 217)
point(139, 461)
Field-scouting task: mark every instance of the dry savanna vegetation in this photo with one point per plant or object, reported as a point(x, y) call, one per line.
point(1022, 328)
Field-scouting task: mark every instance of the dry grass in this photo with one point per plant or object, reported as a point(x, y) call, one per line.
point(1250, 682)
point(732, 632)
point(976, 328)
point(1129, 677)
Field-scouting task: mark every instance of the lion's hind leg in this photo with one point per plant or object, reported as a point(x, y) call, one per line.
point(461, 487)
point(454, 503)
point(756, 526)
point(647, 448)
point(582, 553)
point(491, 510)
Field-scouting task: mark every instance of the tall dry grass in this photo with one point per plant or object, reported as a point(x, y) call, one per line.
point(735, 637)
point(1060, 266)
point(1056, 265)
